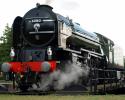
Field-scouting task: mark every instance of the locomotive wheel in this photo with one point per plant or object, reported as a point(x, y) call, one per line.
point(23, 86)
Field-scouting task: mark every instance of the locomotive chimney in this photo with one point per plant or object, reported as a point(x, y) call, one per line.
point(38, 5)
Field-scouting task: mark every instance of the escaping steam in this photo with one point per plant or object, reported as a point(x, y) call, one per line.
point(61, 79)
point(48, 1)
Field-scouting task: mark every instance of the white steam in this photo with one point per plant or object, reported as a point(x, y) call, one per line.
point(61, 79)
point(48, 1)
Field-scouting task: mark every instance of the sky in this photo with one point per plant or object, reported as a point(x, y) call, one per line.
point(106, 17)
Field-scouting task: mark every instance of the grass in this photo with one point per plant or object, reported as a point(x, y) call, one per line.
point(54, 97)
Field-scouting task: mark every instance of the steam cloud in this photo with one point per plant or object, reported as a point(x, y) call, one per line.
point(61, 79)
point(63, 4)
point(48, 1)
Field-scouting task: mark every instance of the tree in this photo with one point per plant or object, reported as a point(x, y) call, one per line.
point(5, 44)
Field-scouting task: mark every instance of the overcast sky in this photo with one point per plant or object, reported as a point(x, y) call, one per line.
point(103, 16)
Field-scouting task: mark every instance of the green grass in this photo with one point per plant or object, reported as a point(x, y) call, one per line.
point(54, 97)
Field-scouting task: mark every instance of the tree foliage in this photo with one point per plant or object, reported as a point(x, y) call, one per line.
point(5, 44)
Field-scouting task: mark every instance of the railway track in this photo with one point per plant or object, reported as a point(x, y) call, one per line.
point(117, 91)
point(45, 93)
point(7, 88)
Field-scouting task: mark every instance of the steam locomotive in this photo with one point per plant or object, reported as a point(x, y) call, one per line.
point(47, 46)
